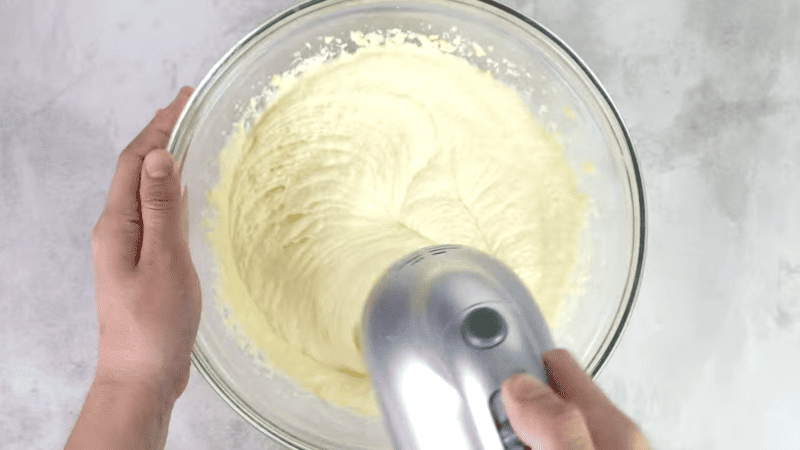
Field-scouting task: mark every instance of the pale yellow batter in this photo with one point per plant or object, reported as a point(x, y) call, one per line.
point(360, 161)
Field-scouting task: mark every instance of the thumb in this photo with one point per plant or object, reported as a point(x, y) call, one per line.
point(160, 195)
point(541, 419)
point(610, 428)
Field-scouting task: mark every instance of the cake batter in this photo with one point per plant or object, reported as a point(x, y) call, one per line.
point(360, 161)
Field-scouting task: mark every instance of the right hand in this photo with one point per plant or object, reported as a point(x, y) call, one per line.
point(569, 414)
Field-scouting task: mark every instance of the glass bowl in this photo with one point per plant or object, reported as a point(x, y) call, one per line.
point(560, 91)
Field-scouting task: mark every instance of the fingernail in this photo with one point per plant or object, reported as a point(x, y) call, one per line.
point(525, 386)
point(529, 379)
point(158, 166)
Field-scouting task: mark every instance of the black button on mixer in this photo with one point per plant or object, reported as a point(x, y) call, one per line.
point(507, 435)
point(484, 328)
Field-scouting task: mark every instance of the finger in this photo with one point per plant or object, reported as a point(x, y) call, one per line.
point(161, 208)
point(569, 380)
point(610, 428)
point(542, 419)
point(156, 133)
point(121, 219)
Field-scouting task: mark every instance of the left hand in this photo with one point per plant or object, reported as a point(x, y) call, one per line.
point(147, 289)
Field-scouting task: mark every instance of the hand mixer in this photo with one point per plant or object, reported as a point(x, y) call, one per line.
point(441, 331)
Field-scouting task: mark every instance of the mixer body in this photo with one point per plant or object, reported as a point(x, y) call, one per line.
point(441, 331)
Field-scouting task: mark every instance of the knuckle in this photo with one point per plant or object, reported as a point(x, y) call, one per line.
point(153, 137)
point(127, 153)
point(113, 226)
point(160, 125)
point(132, 155)
point(119, 221)
point(160, 197)
point(156, 138)
point(156, 203)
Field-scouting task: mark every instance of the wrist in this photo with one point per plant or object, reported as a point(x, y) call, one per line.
point(124, 364)
point(122, 414)
point(152, 386)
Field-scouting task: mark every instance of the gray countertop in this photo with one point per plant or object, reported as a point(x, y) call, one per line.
point(709, 88)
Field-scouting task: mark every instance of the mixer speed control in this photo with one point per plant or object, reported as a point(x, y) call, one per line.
point(507, 435)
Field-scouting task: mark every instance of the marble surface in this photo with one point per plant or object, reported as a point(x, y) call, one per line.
point(709, 88)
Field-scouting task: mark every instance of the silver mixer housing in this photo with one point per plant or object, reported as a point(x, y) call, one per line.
point(441, 331)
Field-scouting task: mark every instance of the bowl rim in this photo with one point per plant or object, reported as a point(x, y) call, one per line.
point(633, 283)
